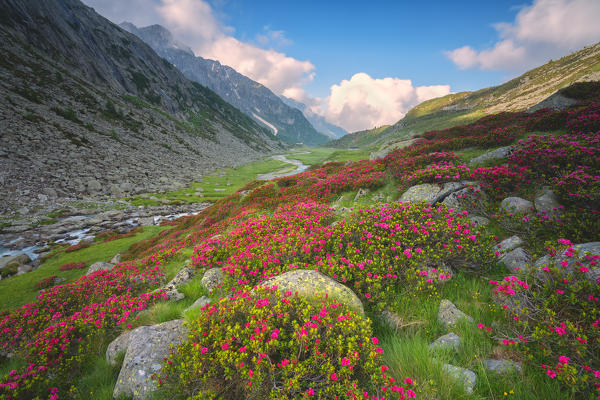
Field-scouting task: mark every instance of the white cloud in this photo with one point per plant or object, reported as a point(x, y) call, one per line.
point(546, 29)
point(364, 102)
point(193, 21)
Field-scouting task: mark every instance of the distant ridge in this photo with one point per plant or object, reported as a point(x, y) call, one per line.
point(252, 98)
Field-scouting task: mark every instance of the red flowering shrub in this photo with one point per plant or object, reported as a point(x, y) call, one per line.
point(46, 282)
point(556, 318)
point(70, 266)
point(76, 247)
point(252, 345)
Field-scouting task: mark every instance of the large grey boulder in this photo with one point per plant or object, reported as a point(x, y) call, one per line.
point(591, 249)
point(147, 346)
point(212, 278)
point(313, 285)
point(449, 341)
point(502, 366)
point(496, 154)
point(516, 260)
point(548, 203)
point(516, 205)
point(462, 375)
point(100, 266)
point(449, 314)
point(118, 346)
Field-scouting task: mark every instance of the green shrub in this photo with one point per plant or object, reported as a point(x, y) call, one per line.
point(251, 346)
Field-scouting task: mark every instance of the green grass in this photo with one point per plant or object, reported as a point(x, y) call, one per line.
point(214, 187)
point(21, 289)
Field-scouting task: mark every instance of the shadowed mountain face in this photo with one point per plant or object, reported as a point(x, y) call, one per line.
point(252, 98)
point(319, 122)
point(88, 109)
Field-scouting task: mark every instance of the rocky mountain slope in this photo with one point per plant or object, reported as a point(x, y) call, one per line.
point(89, 110)
point(319, 122)
point(519, 94)
point(252, 98)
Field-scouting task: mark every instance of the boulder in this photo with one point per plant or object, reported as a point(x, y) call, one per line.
point(430, 192)
point(212, 278)
point(516, 205)
point(391, 319)
point(116, 259)
point(509, 244)
point(590, 248)
point(23, 269)
point(496, 154)
point(449, 314)
point(516, 260)
point(361, 193)
point(462, 199)
point(170, 289)
point(118, 346)
point(146, 346)
point(313, 285)
point(100, 266)
point(478, 221)
point(16, 261)
point(548, 204)
point(462, 375)
point(199, 303)
point(502, 366)
point(448, 341)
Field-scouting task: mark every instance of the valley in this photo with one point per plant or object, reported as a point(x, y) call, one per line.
point(172, 227)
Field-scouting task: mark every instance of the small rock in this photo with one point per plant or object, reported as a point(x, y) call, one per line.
point(361, 193)
point(391, 319)
point(449, 314)
point(479, 220)
point(516, 205)
point(199, 303)
point(448, 341)
point(496, 154)
point(116, 259)
point(212, 278)
point(548, 204)
point(466, 376)
point(516, 260)
point(510, 244)
point(23, 269)
point(100, 266)
point(503, 366)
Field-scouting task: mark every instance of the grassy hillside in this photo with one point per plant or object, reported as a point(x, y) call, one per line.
point(518, 94)
point(402, 261)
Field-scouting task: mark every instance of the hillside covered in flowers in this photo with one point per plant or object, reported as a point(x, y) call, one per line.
point(487, 232)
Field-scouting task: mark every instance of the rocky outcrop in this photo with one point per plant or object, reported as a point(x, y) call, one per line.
point(170, 289)
point(145, 348)
point(313, 285)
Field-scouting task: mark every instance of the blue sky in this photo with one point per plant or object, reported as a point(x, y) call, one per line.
point(362, 64)
point(404, 39)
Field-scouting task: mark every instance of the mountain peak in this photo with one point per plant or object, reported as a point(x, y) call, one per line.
point(157, 36)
